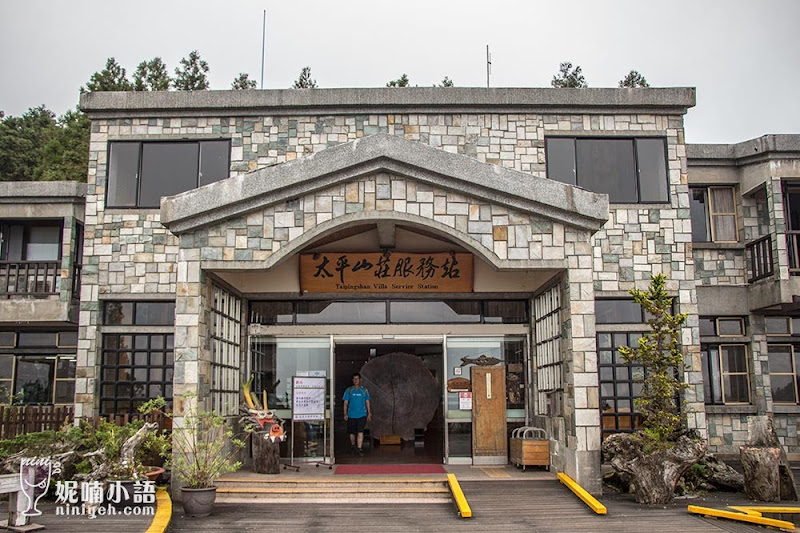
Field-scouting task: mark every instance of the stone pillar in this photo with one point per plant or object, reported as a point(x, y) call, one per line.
point(581, 398)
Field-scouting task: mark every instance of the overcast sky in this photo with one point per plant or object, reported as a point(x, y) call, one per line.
point(743, 56)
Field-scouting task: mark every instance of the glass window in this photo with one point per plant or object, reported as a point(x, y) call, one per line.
point(713, 212)
point(561, 160)
point(782, 374)
point(128, 381)
point(698, 203)
point(270, 313)
point(140, 173)
point(427, 312)
point(708, 326)
point(214, 161)
point(123, 173)
point(729, 327)
point(155, 313)
point(139, 313)
point(43, 243)
point(628, 170)
point(226, 352)
point(274, 361)
point(606, 166)
point(8, 339)
point(341, 312)
point(33, 339)
point(778, 325)
point(652, 163)
point(620, 383)
point(618, 312)
point(34, 380)
point(167, 169)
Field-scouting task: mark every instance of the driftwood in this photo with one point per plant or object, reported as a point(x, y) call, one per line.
point(767, 474)
point(655, 474)
point(403, 394)
point(102, 467)
point(266, 454)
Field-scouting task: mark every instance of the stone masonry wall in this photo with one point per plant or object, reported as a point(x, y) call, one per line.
point(127, 251)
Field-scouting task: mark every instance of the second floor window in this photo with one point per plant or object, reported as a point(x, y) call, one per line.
point(628, 170)
point(21, 241)
point(140, 173)
point(713, 211)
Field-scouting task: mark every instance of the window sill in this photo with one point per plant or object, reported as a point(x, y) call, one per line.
point(717, 246)
point(731, 409)
point(786, 409)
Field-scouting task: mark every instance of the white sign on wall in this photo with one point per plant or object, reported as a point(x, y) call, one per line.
point(308, 398)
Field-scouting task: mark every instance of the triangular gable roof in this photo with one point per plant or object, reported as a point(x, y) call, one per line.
point(517, 190)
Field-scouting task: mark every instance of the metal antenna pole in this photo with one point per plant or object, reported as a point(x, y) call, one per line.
point(263, 38)
point(488, 65)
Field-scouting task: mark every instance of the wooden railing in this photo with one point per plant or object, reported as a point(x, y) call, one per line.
point(28, 278)
point(759, 254)
point(20, 419)
point(793, 249)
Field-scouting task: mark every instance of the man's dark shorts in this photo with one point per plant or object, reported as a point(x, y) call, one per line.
point(356, 425)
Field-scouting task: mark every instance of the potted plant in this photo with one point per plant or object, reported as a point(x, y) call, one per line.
point(204, 448)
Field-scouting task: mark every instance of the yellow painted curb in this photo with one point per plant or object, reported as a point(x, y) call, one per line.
point(464, 510)
point(759, 510)
point(741, 517)
point(163, 515)
point(581, 493)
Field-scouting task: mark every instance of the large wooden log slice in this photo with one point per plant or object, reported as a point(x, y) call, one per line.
point(403, 394)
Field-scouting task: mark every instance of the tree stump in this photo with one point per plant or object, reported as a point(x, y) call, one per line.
point(767, 474)
point(266, 454)
point(403, 394)
point(761, 478)
point(655, 474)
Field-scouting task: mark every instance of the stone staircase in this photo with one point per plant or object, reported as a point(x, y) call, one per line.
point(344, 489)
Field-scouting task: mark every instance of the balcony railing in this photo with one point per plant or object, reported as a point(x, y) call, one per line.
point(759, 253)
point(793, 249)
point(36, 279)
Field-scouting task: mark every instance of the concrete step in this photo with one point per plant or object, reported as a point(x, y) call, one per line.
point(333, 490)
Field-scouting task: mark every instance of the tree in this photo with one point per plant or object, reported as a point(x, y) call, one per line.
point(659, 455)
point(65, 156)
point(21, 143)
point(243, 82)
point(402, 81)
point(633, 80)
point(111, 78)
point(151, 76)
point(659, 354)
point(568, 77)
point(446, 82)
point(191, 76)
point(304, 81)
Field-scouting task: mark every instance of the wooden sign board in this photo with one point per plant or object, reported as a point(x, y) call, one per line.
point(386, 272)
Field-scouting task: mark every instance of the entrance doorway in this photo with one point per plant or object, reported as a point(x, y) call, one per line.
point(405, 383)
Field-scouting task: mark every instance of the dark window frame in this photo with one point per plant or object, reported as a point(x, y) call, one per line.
point(27, 225)
point(637, 170)
point(132, 401)
point(616, 368)
point(134, 312)
point(714, 373)
point(140, 162)
point(57, 352)
point(485, 317)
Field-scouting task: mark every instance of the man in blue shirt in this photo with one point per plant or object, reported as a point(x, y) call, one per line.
point(357, 412)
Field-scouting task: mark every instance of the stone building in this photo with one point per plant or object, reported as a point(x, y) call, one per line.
point(310, 233)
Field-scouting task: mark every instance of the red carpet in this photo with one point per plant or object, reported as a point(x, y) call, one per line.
point(390, 469)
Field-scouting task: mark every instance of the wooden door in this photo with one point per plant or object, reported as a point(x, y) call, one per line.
point(489, 442)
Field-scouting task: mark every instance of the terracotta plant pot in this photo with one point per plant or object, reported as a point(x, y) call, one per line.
point(198, 502)
point(154, 472)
